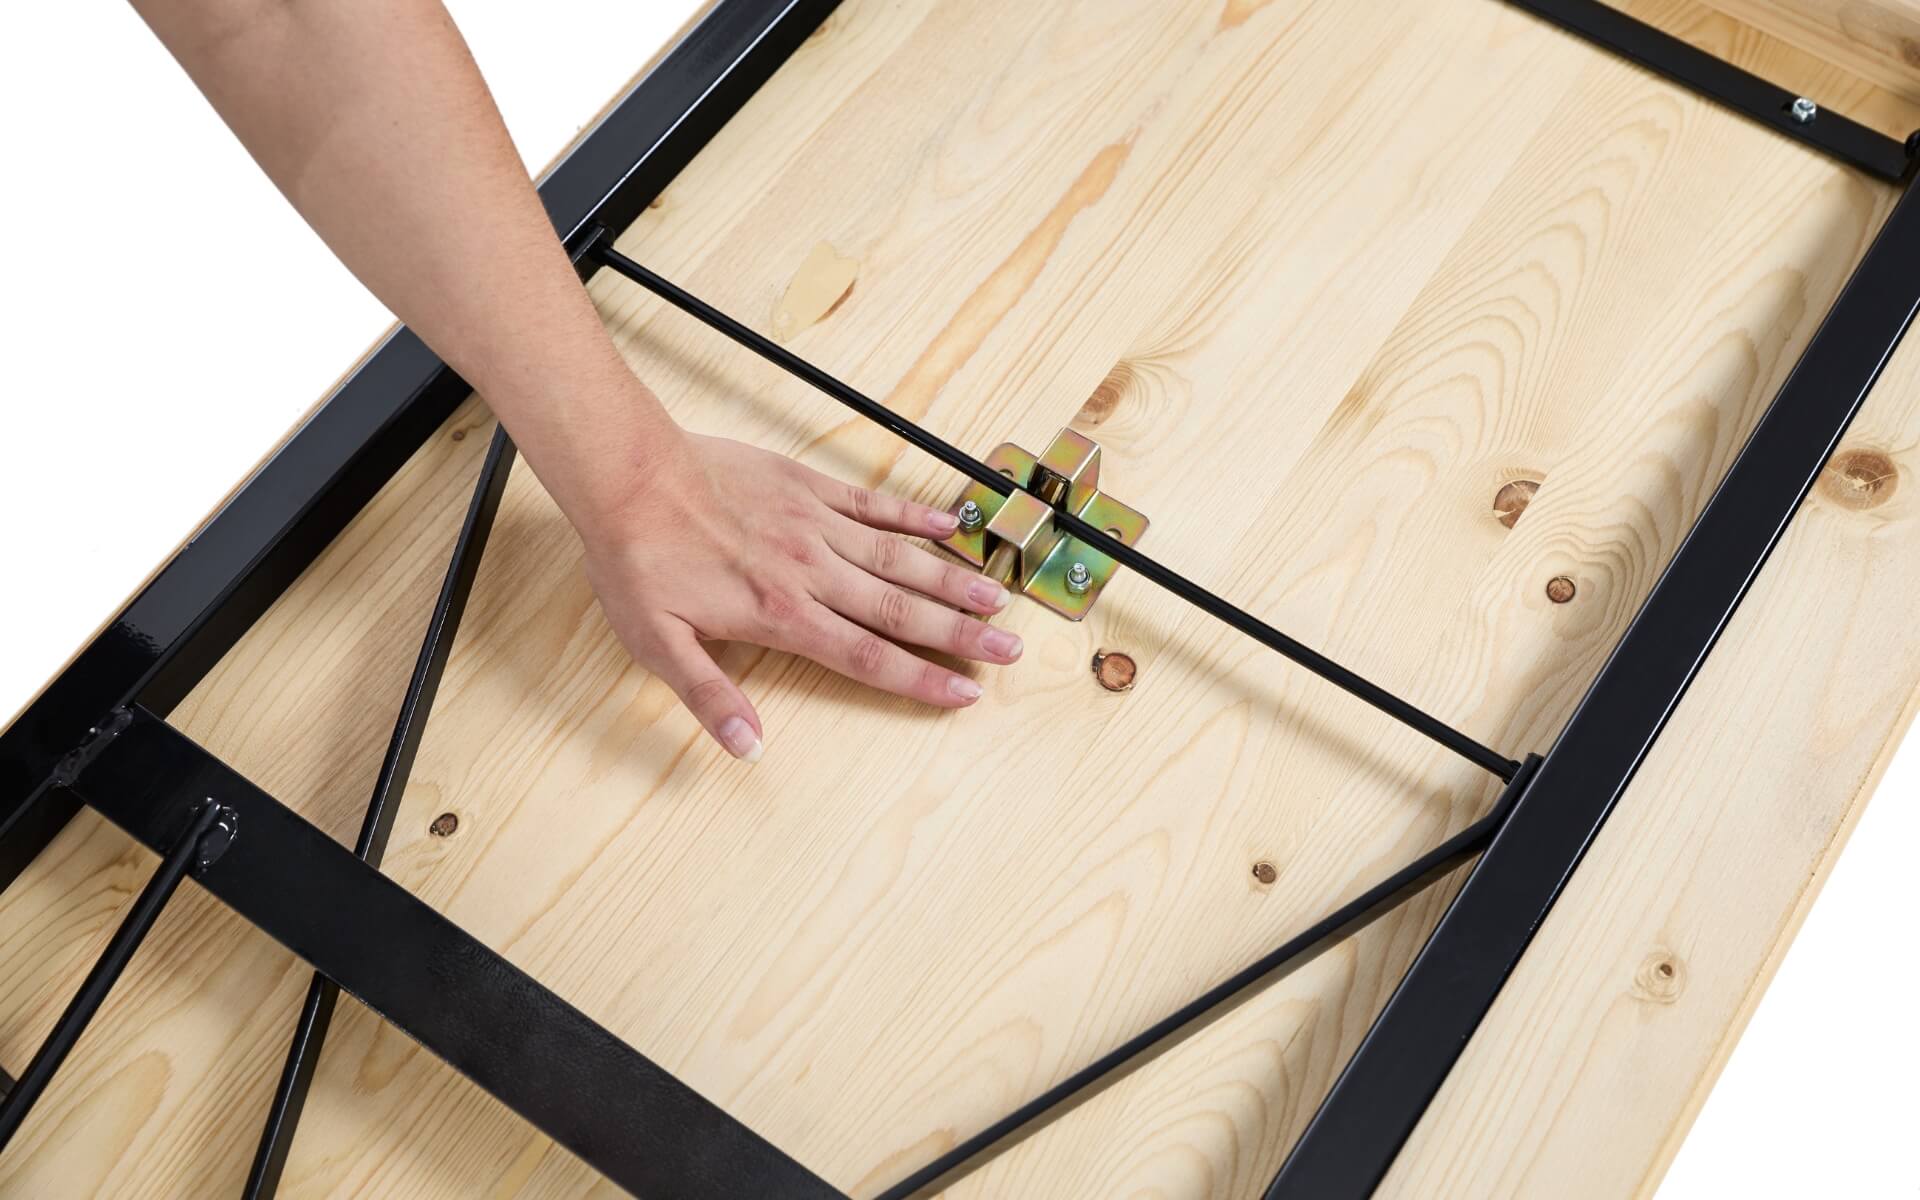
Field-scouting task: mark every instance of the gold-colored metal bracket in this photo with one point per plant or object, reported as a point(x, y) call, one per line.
point(1014, 539)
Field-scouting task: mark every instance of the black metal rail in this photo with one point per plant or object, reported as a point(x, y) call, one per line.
point(1392, 1077)
point(585, 1088)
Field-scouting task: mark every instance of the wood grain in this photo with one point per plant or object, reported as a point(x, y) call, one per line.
point(1784, 54)
point(1878, 40)
point(1324, 279)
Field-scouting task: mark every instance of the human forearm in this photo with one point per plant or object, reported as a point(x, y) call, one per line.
point(373, 120)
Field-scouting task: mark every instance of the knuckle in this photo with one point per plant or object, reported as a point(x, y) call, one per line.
point(932, 680)
point(778, 606)
point(886, 554)
point(706, 694)
point(894, 610)
point(863, 503)
point(798, 548)
point(966, 633)
point(869, 654)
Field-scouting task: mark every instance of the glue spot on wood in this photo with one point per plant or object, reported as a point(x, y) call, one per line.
point(1560, 589)
point(1263, 872)
point(1660, 978)
point(444, 825)
point(1237, 11)
point(1114, 671)
point(1512, 500)
point(1859, 479)
point(821, 285)
point(1106, 397)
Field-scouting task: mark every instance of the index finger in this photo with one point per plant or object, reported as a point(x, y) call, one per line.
point(882, 511)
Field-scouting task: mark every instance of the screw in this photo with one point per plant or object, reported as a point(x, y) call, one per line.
point(970, 516)
point(1079, 579)
point(1803, 110)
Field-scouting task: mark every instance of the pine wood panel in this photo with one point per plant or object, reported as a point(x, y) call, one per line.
point(1324, 279)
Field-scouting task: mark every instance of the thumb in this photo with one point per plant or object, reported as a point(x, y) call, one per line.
point(720, 707)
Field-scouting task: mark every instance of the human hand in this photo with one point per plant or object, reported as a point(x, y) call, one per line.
point(727, 542)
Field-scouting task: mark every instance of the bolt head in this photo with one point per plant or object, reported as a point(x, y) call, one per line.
point(1079, 579)
point(971, 518)
point(1803, 110)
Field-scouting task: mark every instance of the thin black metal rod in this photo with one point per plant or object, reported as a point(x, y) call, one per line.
point(179, 859)
point(793, 364)
point(1406, 1056)
point(624, 1115)
point(1742, 91)
point(310, 1030)
point(1400, 710)
point(1128, 1057)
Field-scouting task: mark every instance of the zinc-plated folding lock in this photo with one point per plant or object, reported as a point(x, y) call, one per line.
point(1015, 539)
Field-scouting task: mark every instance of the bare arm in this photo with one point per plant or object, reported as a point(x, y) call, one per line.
point(372, 118)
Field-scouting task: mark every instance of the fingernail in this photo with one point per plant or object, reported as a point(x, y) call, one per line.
point(988, 594)
point(942, 523)
point(1000, 642)
point(963, 687)
point(740, 739)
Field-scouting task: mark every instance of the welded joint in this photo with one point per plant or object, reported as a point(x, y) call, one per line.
point(213, 831)
point(98, 738)
point(217, 837)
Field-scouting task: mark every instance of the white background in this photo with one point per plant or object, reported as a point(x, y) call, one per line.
point(139, 237)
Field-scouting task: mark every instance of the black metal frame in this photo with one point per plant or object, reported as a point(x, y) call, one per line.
point(98, 736)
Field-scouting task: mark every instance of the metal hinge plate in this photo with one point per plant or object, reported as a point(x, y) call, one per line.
point(1014, 538)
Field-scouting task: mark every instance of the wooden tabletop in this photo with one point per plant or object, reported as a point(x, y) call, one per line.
point(1421, 331)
